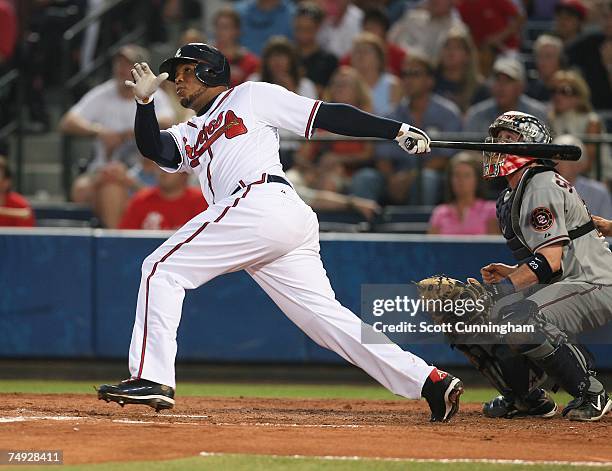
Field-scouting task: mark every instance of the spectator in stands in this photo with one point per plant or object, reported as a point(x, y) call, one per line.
point(106, 113)
point(495, 27)
point(569, 19)
point(507, 94)
point(465, 211)
point(369, 59)
point(242, 62)
point(595, 194)
point(430, 112)
point(318, 64)
point(572, 113)
point(592, 53)
point(548, 51)
point(424, 28)
point(169, 205)
point(457, 75)
point(261, 19)
point(14, 208)
point(333, 165)
point(375, 21)
point(280, 64)
point(341, 24)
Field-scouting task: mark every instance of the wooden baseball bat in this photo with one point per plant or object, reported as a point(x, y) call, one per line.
point(526, 149)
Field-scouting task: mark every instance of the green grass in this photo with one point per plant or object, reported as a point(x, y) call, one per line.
point(276, 463)
point(312, 391)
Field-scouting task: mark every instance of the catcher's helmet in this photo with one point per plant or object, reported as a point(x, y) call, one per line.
point(529, 128)
point(212, 67)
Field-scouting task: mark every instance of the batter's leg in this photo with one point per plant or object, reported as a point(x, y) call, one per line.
point(298, 284)
point(226, 237)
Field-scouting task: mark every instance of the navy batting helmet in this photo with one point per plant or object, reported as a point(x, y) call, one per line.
point(212, 67)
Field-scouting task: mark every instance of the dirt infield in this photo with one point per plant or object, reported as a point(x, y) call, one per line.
point(91, 431)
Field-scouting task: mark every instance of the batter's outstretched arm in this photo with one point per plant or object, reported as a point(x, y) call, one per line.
point(347, 120)
point(153, 144)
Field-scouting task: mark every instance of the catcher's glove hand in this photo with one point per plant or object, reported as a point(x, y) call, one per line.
point(443, 288)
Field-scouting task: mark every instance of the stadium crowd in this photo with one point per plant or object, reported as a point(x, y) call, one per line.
point(446, 66)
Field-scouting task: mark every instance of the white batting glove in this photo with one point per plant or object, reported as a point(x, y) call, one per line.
point(145, 82)
point(413, 140)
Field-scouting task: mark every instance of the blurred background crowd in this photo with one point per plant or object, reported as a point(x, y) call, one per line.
point(447, 66)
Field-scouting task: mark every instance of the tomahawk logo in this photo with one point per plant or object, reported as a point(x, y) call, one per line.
point(225, 124)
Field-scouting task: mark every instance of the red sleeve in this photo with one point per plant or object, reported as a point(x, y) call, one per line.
point(134, 214)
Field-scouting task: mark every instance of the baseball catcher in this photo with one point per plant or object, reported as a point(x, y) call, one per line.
point(560, 286)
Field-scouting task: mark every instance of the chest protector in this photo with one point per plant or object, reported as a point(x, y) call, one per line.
point(508, 208)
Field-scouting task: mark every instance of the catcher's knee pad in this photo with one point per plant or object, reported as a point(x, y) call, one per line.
point(523, 313)
point(510, 373)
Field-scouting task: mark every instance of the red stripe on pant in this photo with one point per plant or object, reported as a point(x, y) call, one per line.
point(174, 249)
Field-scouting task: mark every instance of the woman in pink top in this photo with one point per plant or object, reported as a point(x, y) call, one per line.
point(466, 212)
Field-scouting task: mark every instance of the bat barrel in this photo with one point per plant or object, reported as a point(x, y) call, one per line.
point(526, 149)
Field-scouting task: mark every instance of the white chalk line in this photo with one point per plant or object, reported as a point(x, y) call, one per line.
point(429, 460)
point(23, 418)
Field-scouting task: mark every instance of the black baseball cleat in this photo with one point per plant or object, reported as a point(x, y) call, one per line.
point(588, 408)
point(537, 404)
point(138, 391)
point(442, 392)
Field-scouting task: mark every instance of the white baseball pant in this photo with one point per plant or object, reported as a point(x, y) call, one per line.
point(267, 230)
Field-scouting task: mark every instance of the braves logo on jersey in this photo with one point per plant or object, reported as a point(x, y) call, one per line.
point(225, 124)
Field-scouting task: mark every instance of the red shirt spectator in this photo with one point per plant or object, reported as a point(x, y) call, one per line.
point(8, 31)
point(149, 209)
point(492, 22)
point(14, 209)
point(167, 206)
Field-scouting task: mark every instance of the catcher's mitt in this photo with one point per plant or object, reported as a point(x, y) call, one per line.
point(449, 291)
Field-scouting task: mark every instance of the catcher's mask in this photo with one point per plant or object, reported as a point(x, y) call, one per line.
point(528, 127)
point(212, 67)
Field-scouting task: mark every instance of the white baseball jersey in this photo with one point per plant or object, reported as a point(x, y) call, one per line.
point(237, 140)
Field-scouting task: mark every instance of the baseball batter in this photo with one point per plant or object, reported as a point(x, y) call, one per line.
point(255, 222)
